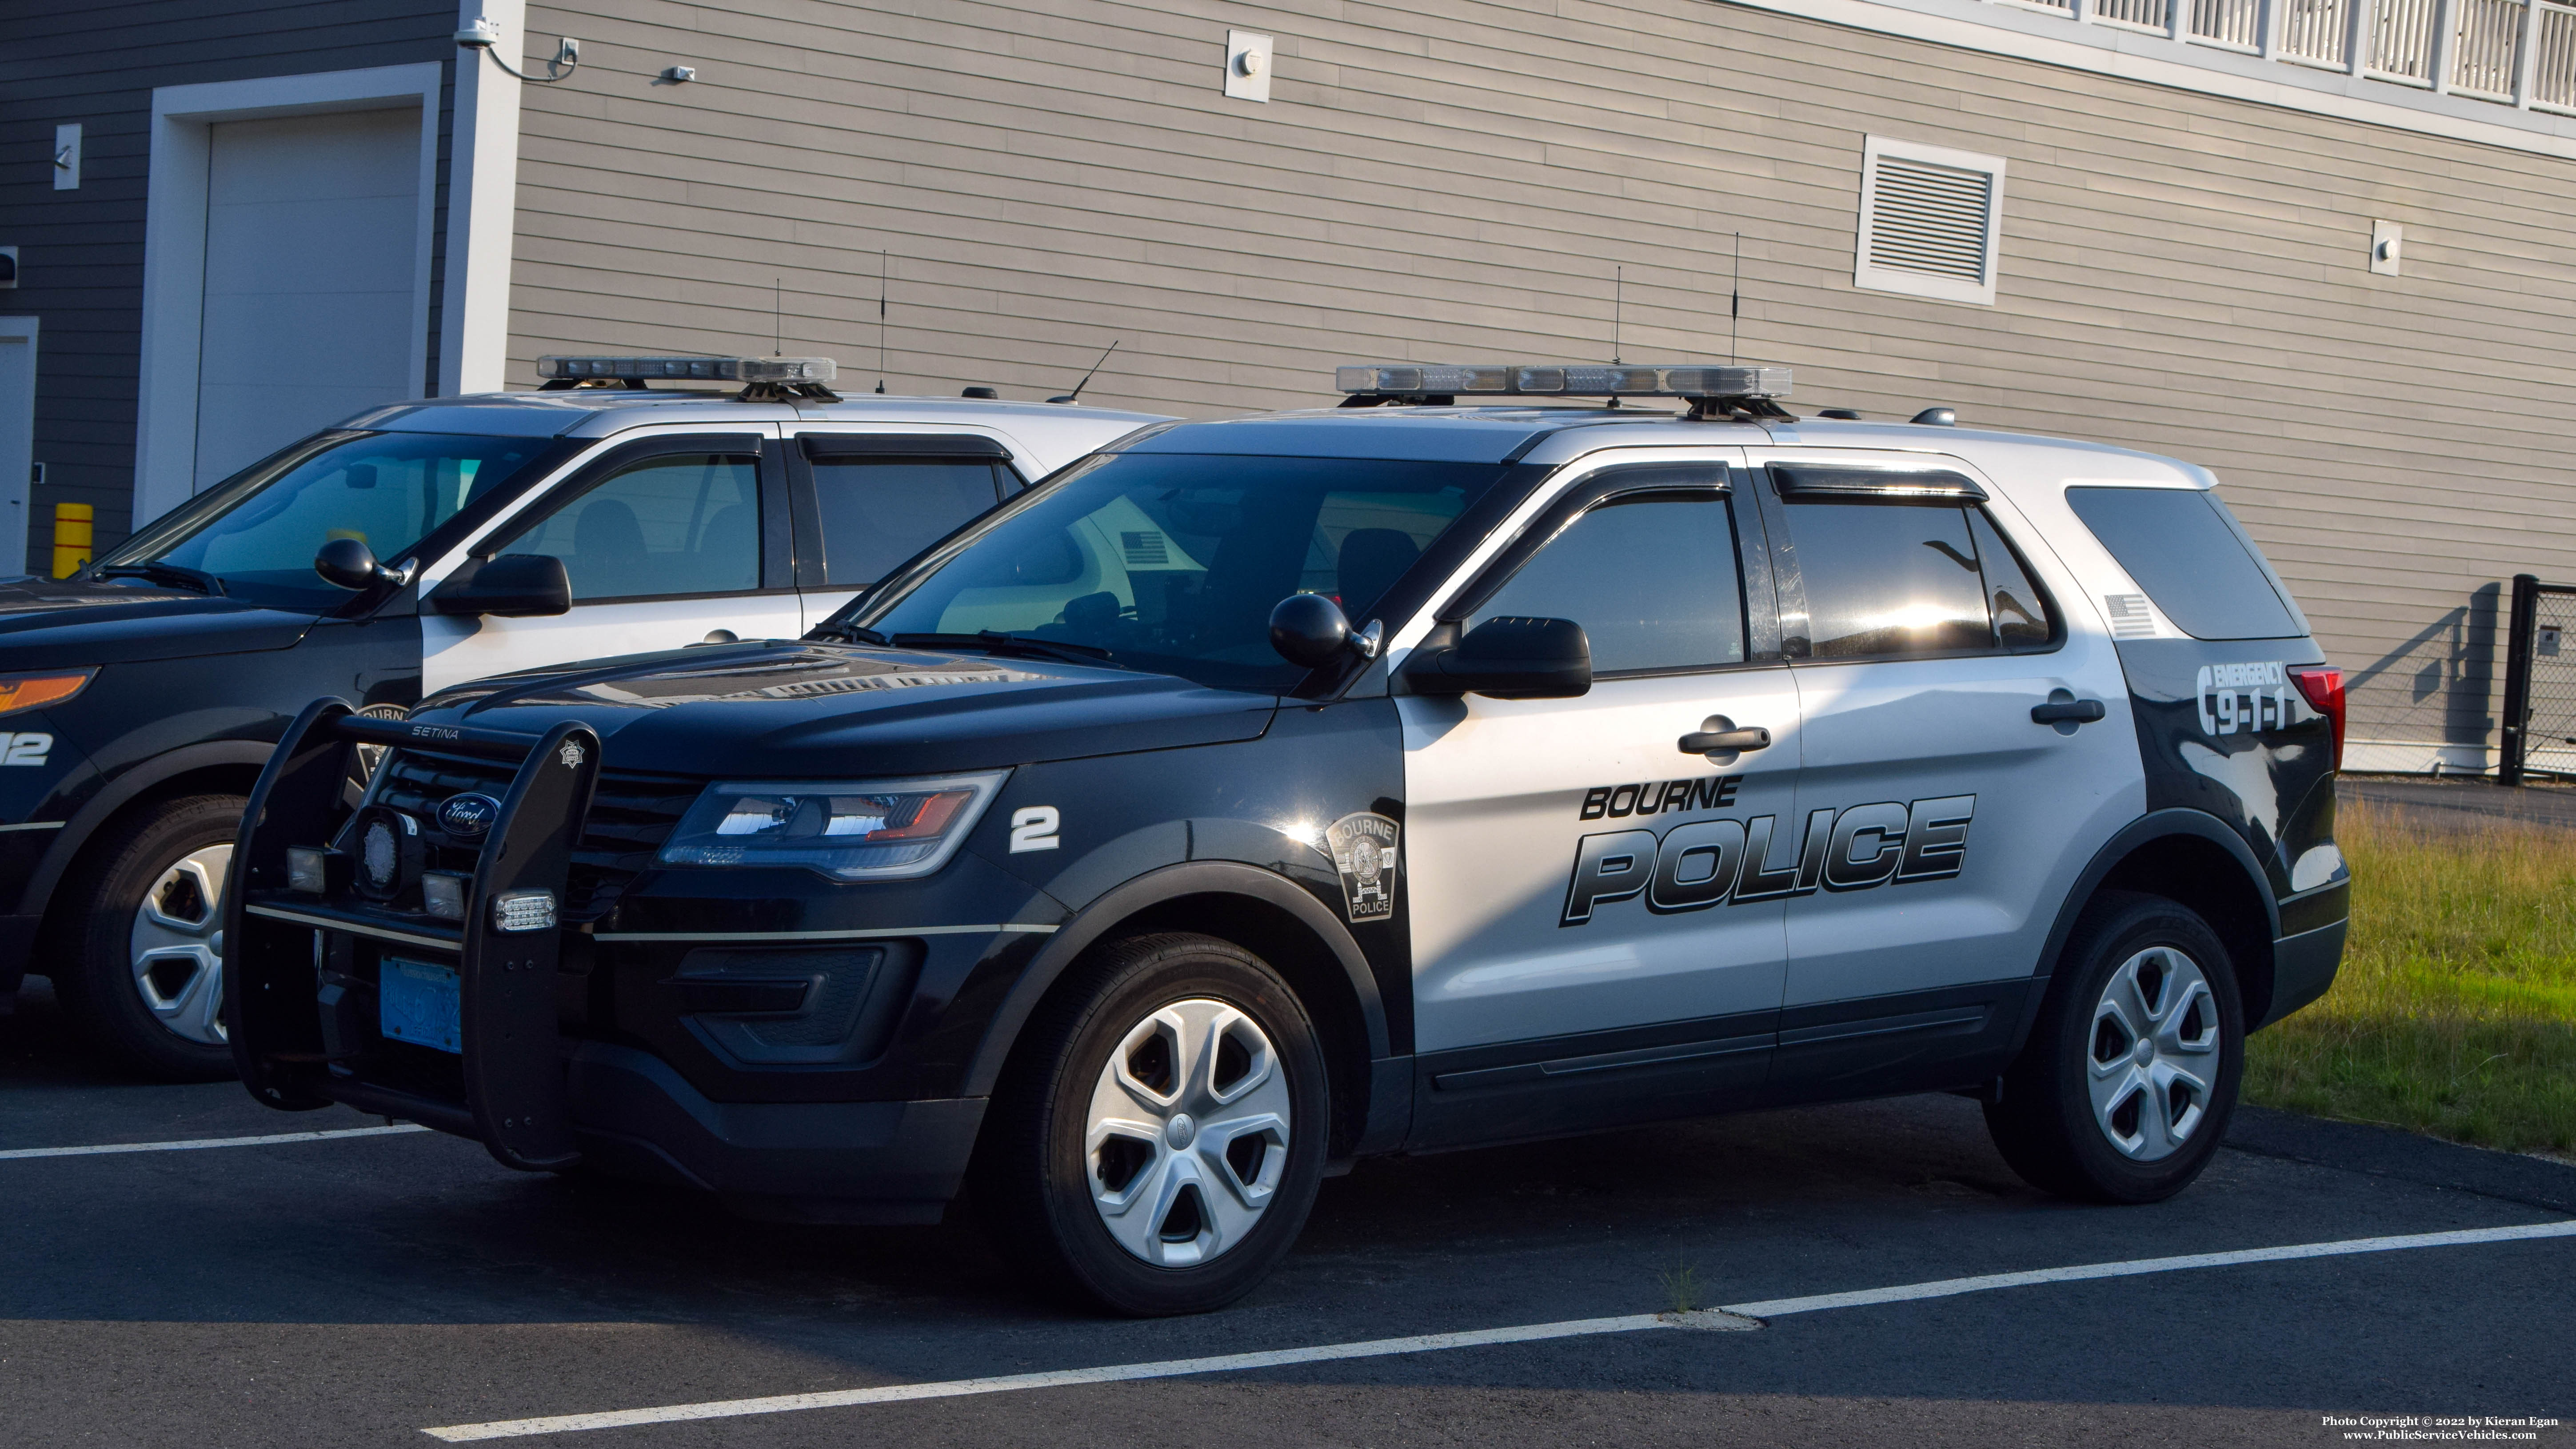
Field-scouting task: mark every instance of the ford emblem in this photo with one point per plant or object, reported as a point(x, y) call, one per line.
point(468, 817)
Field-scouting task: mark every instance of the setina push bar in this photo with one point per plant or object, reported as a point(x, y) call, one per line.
point(311, 913)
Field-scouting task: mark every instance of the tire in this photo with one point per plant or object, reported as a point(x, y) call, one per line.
point(132, 946)
point(1114, 1170)
point(2088, 1113)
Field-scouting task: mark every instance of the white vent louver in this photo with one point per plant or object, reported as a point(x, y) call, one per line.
point(1929, 219)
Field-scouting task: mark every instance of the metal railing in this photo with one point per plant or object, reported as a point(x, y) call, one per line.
point(2519, 53)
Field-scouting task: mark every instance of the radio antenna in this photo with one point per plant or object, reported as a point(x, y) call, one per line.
point(881, 319)
point(1618, 304)
point(1075, 396)
point(1735, 300)
point(777, 318)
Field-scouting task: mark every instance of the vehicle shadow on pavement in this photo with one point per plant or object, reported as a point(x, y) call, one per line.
point(422, 1240)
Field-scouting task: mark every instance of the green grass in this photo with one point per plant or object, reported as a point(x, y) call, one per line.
point(2455, 1013)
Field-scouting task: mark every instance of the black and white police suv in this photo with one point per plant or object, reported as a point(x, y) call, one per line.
point(1259, 795)
point(140, 698)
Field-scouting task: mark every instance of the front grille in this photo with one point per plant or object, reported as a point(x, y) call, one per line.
point(630, 816)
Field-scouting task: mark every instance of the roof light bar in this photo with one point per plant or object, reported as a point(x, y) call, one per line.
point(763, 379)
point(700, 369)
point(1410, 379)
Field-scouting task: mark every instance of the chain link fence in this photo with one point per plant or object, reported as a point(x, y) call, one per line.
point(2540, 682)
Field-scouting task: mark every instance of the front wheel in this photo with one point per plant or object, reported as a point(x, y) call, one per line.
point(1160, 1136)
point(2126, 1085)
point(135, 961)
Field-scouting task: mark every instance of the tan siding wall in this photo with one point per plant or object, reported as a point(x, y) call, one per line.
point(1457, 179)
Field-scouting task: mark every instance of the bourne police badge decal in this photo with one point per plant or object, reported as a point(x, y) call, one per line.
point(1363, 848)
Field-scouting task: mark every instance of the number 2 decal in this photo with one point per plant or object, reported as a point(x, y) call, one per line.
point(26, 749)
point(1033, 828)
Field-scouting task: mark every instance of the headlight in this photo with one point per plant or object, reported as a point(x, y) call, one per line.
point(35, 691)
point(849, 830)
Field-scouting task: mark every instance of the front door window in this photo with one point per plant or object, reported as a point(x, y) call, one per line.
point(1574, 871)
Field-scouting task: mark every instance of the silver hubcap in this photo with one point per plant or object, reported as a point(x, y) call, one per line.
point(1187, 1133)
point(2155, 1053)
point(176, 967)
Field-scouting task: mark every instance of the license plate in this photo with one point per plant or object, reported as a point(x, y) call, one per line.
point(420, 1003)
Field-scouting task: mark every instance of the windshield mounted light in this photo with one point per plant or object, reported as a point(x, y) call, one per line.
point(35, 691)
point(845, 829)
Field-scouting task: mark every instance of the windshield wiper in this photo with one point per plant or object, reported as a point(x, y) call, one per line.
point(994, 641)
point(166, 573)
point(847, 634)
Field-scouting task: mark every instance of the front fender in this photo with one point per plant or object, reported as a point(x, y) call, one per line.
point(122, 791)
point(1122, 903)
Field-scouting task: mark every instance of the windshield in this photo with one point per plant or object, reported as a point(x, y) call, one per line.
point(1172, 562)
point(258, 530)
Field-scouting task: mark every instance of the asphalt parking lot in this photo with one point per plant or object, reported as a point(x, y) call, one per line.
point(360, 1290)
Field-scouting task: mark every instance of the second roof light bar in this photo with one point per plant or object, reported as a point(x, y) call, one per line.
point(1712, 390)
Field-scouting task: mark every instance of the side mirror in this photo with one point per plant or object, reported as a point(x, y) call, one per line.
point(349, 564)
point(1309, 630)
point(513, 586)
point(1508, 658)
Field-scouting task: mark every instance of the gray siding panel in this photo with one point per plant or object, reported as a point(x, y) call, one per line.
point(1458, 178)
point(81, 252)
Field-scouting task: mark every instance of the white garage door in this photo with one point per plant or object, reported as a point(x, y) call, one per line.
point(312, 223)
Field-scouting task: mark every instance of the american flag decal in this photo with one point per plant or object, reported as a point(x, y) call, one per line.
point(2130, 617)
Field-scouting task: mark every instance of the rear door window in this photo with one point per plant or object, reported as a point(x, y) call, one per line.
point(1890, 578)
point(2185, 550)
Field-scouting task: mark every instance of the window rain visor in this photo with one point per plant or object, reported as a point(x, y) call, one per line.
point(257, 531)
point(1172, 562)
point(848, 830)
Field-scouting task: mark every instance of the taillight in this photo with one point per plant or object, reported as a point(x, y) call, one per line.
point(2323, 685)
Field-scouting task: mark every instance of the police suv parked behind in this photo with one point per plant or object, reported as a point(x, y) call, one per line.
point(458, 538)
point(1675, 765)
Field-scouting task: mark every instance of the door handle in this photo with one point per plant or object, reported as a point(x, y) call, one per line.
point(2064, 710)
point(1711, 742)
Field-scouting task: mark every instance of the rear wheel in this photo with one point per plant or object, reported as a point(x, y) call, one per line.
point(135, 961)
point(2130, 1076)
point(1159, 1139)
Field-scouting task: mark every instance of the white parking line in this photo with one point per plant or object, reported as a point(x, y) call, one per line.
point(1476, 1338)
point(196, 1144)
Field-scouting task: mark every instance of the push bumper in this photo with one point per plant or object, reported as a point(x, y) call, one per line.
point(304, 1013)
point(306, 967)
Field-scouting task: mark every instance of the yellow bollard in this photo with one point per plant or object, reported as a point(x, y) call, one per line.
point(71, 538)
